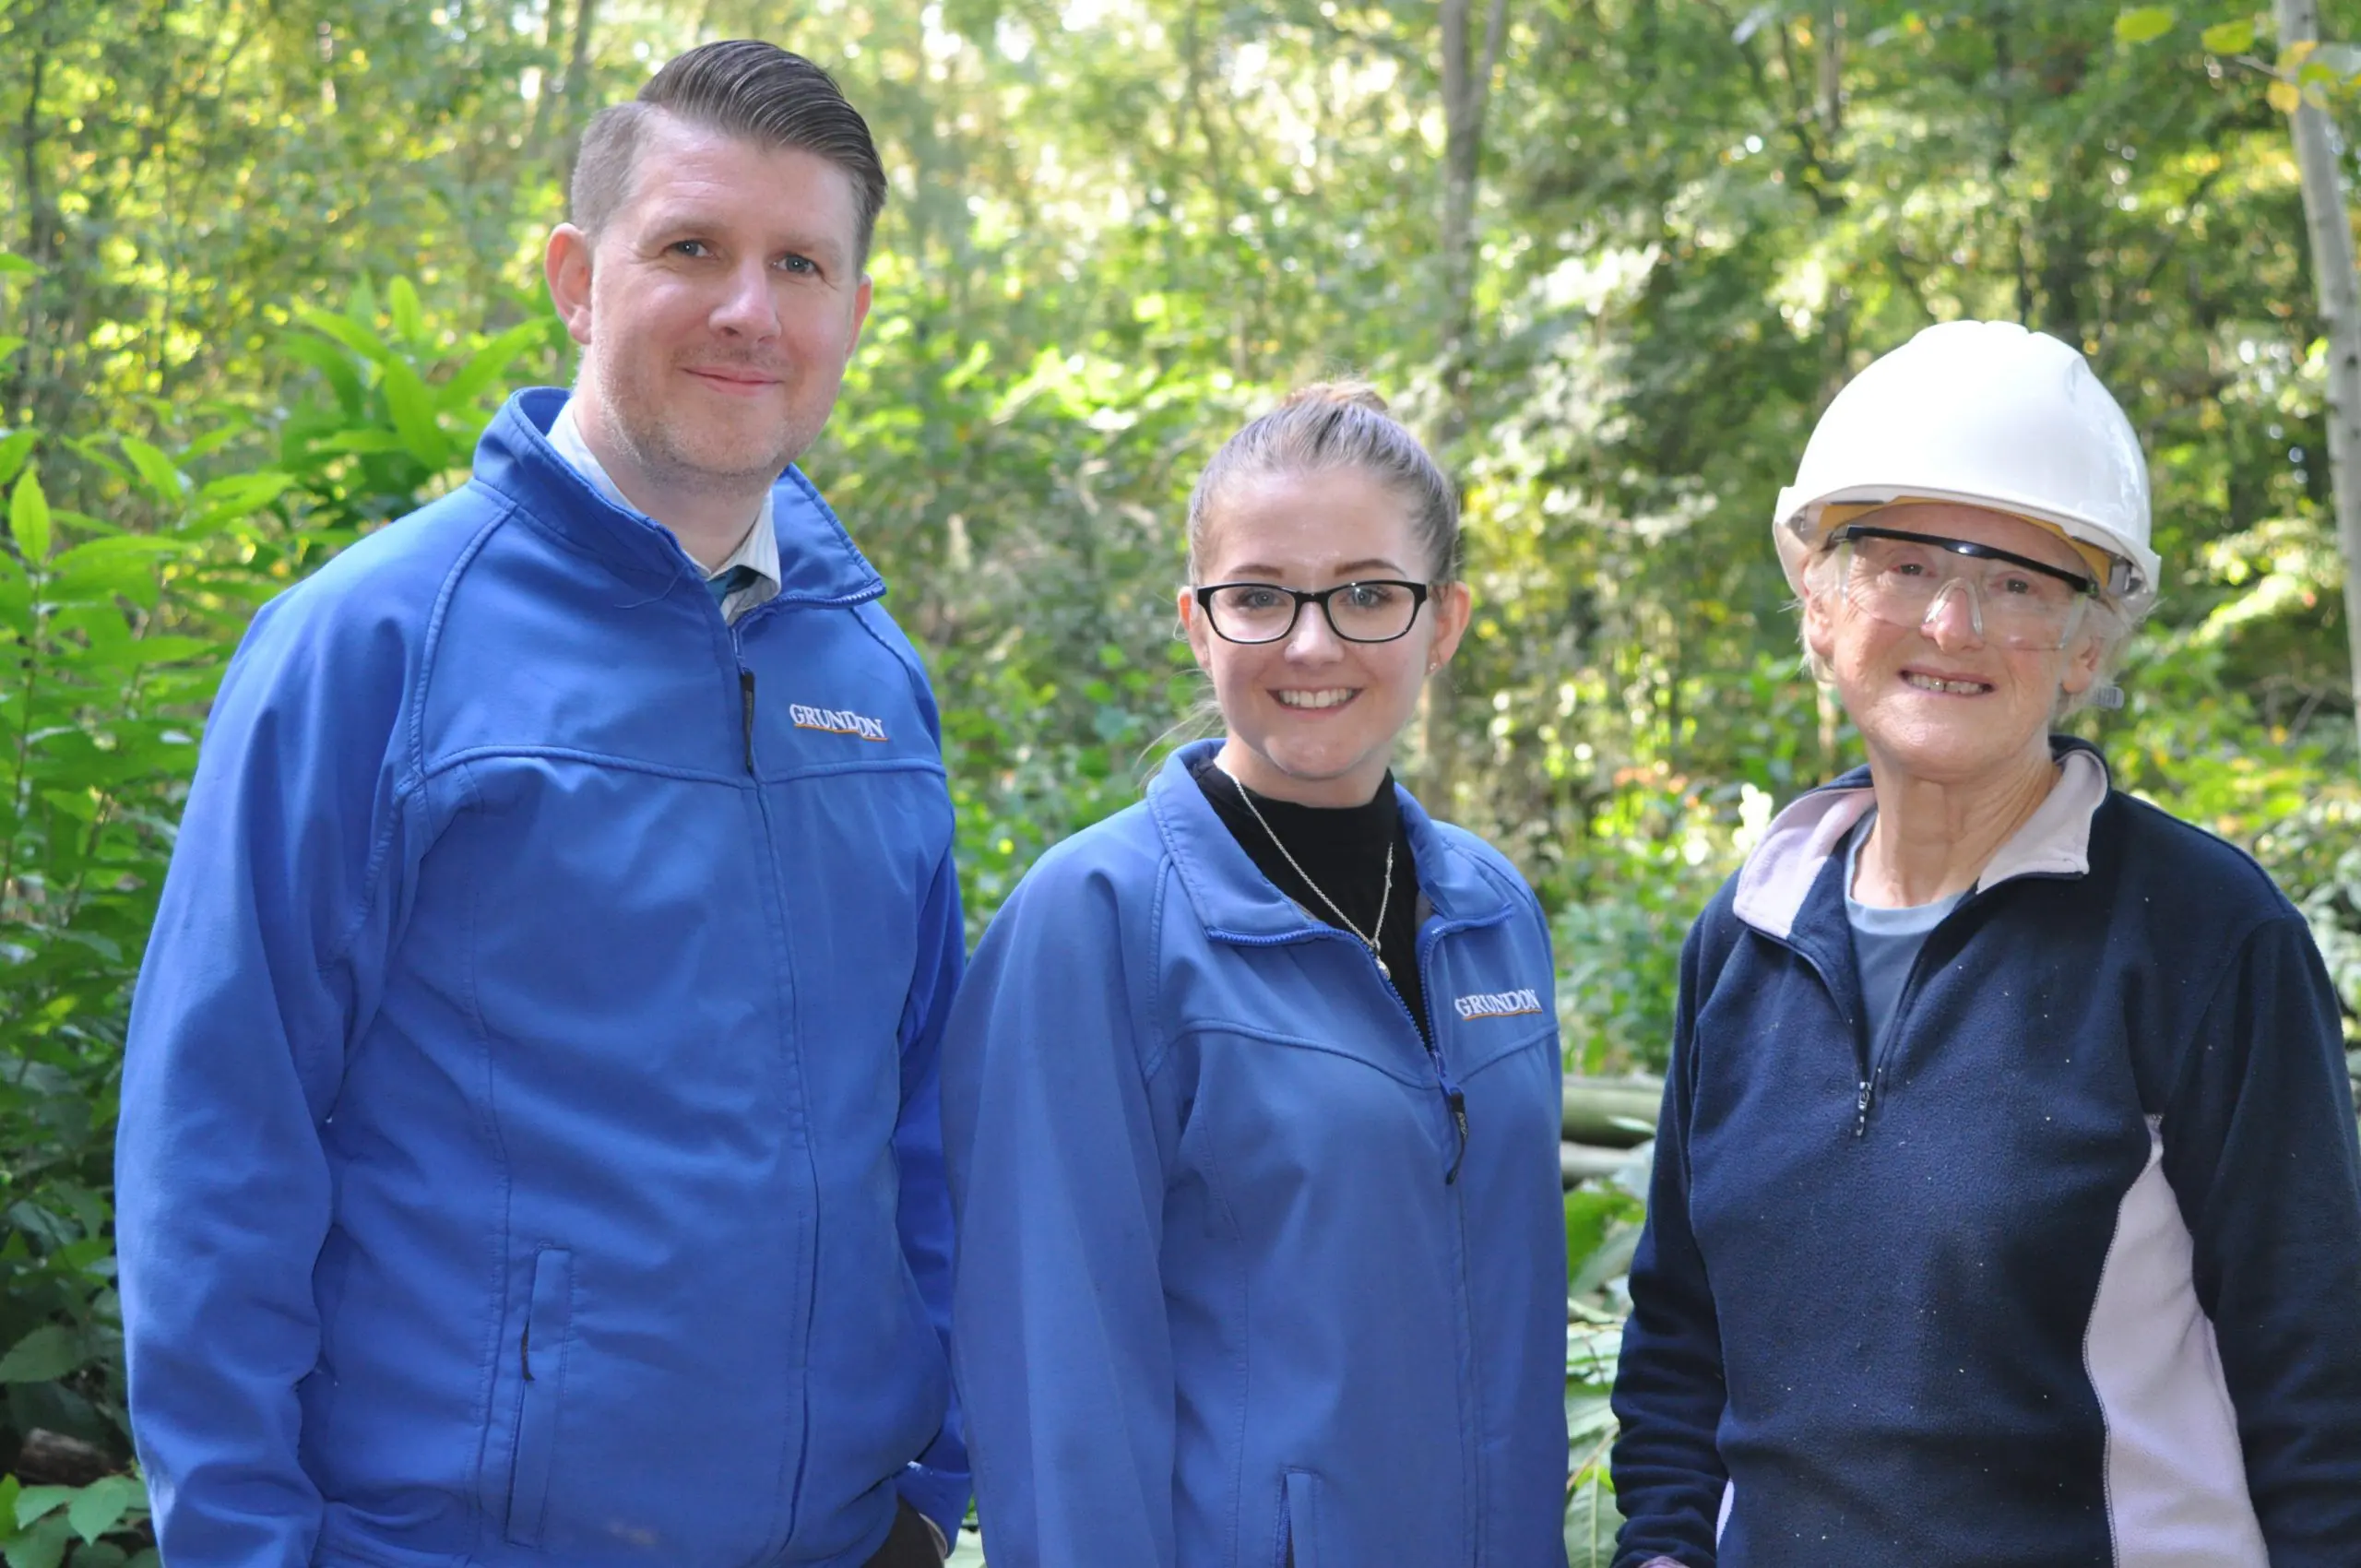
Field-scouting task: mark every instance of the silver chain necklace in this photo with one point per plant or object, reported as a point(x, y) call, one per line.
point(1384, 898)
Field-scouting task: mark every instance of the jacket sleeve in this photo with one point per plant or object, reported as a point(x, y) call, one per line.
point(266, 952)
point(1668, 1386)
point(1062, 1352)
point(936, 1482)
point(2261, 1151)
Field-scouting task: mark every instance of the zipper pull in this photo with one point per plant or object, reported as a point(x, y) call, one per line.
point(525, 1352)
point(1862, 1109)
point(746, 691)
point(1458, 1102)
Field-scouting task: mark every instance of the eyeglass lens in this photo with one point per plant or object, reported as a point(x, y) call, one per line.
point(1361, 612)
point(1898, 581)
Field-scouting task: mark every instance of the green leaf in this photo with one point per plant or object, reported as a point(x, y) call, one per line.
point(164, 480)
point(14, 449)
point(45, 1355)
point(487, 365)
point(9, 344)
point(341, 377)
point(1609, 1259)
point(121, 563)
point(360, 339)
point(12, 265)
point(2143, 24)
point(363, 442)
point(100, 1506)
point(163, 649)
point(43, 1546)
point(28, 518)
point(122, 546)
point(235, 495)
point(213, 440)
point(34, 1501)
point(414, 410)
point(1592, 1521)
point(90, 450)
point(2230, 38)
point(15, 596)
point(410, 322)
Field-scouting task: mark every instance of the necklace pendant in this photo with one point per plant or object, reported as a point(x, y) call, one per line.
point(1382, 969)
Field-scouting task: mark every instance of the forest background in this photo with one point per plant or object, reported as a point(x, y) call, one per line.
point(266, 267)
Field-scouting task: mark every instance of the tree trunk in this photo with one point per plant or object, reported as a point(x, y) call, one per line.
point(2339, 302)
point(1829, 35)
point(578, 107)
point(39, 238)
point(1466, 79)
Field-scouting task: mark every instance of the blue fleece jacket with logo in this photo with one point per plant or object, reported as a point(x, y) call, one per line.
point(530, 1147)
point(1231, 1283)
point(2067, 1272)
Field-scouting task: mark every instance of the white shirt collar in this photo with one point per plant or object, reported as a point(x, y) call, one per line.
point(758, 550)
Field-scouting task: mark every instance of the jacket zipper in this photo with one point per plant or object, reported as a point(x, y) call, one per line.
point(1873, 1053)
point(790, 1518)
point(746, 704)
point(1456, 1100)
point(1452, 1095)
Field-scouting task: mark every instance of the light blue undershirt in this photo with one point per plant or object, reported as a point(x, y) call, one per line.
point(1885, 942)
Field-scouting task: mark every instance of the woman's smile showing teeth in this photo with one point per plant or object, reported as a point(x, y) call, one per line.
point(1333, 697)
point(1960, 688)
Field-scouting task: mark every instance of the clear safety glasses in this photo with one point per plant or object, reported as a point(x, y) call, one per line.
point(1902, 579)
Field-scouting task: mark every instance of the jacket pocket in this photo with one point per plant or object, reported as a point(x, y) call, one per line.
point(1301, 1518)
point(541, 1353)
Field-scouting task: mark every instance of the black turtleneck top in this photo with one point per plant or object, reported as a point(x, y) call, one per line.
point(1342, 848)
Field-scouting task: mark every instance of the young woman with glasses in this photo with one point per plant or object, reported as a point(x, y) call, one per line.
point(1251, 1096)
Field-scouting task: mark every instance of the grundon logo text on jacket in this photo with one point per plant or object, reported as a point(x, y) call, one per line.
point(838, 721)
point(1499, 1004)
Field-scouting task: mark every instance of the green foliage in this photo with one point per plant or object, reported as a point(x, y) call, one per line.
point(96, 691)
point(278, 266)
point(116, 624)
point(1591, 1516)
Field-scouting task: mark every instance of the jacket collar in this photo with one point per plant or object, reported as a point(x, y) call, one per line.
point(2054, 841)
point(1232, 898)
point(818, 562)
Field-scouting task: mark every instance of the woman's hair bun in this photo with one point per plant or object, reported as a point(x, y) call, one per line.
point(1358, 394)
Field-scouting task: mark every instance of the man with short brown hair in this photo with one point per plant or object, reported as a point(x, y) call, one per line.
point(530, 1148)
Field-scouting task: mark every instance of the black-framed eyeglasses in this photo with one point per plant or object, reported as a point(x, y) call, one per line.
point(1376, 610)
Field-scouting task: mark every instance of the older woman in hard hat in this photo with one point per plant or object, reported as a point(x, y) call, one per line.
point(2007, 1207)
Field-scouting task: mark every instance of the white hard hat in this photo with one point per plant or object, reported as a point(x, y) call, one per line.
point(1988, 414)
